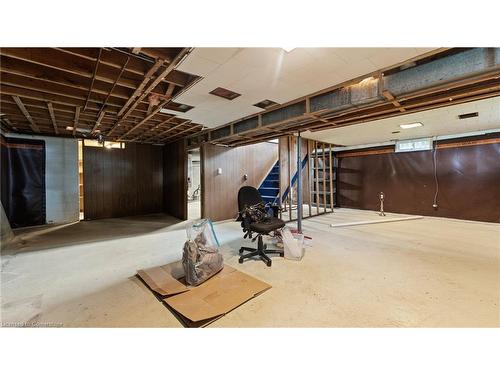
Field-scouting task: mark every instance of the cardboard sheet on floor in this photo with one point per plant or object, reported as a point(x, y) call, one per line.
point(201, 305)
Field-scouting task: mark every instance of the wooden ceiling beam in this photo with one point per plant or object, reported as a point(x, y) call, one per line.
point(161, 135)
point(110, 92)
point(35, 82)
point(45, 117)
point(170, 90)
point(48, 61)
point(146, 91)
point(156, 81)
point(385, 114)
point(93, 79)
point(141, 86)
point(8, 123)
point(163, 123)
point(139, 124)
point(51, 88)
point(52, 117)
point(388, 95)
point(53, 96)
point(110, 57)
point(71, 100)
point(26, 114)
point(195, 126)
point(98, 121)
point(176, 135)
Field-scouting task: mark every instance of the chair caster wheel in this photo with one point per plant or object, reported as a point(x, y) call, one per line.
point(240, 260)
point(241, 251)
point(268, 263)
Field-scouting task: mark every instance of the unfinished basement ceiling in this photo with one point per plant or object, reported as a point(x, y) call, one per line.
point(271, 73)
point(436, 122)
point(85, 92)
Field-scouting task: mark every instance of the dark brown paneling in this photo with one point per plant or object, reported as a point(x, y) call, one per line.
point(468, 177)
point(122, 182)
point(219, 194)
point(175, 179)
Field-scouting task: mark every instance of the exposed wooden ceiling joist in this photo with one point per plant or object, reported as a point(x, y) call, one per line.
point(52, 117)
point(93, 79)
point(387, 94)
point(25, 112)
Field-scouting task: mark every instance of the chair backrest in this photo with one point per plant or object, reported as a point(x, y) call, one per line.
point(248, 195)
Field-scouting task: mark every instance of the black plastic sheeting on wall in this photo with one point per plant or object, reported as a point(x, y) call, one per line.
point(23, 181)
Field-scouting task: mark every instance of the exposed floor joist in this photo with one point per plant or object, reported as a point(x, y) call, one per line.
point(84, 83)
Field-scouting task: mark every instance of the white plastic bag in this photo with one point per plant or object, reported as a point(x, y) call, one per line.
point(294, 248)
point(201, 258)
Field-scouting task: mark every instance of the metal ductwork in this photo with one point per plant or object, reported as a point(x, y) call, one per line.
point(407, 85)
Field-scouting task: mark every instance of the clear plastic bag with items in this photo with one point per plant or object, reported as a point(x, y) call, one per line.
point(201, 258)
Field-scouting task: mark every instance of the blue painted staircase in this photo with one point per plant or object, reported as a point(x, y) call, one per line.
point(270, 187)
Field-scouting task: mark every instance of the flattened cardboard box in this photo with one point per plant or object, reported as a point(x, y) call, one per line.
point(201, 305)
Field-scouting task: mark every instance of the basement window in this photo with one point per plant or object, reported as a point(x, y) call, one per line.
point(409, 145)
point(225, 93)
point(107, 144)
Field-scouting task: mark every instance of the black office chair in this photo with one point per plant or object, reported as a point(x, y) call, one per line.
point(249, 196)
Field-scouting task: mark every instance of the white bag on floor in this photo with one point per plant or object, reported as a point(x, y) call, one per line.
point(294, 248)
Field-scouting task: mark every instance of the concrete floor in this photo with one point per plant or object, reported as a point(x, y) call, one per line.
point(429, 272)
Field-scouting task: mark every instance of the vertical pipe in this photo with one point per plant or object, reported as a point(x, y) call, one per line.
point(330, 160)
point(299, 184)
point(309, 174)
point(316, 175)
point(289, 150)
point(324, 177)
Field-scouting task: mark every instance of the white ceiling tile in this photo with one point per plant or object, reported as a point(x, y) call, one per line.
point(272, 73)
point(198, 65)
point(387, 58)
point(217, 55)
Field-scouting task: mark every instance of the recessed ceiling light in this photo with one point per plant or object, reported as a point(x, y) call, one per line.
point(413, 125)
point(69, 128)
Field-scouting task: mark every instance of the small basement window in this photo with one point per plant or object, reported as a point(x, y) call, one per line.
point(107, 144)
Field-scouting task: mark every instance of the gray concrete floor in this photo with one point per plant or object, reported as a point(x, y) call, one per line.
point(429, 272)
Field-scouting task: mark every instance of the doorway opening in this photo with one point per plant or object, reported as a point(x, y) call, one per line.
point(194, 184)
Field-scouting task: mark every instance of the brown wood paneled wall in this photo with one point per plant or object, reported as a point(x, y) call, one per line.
point(175, 179)
point(122, 182)
point(219, 192)
point(468, 177)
